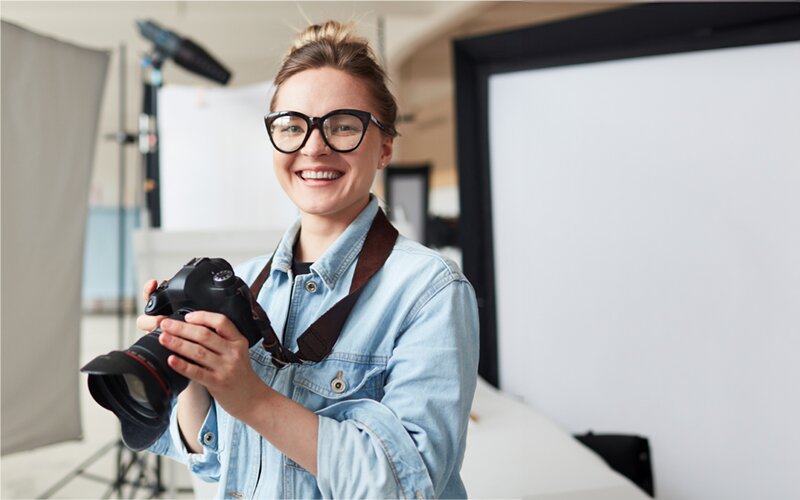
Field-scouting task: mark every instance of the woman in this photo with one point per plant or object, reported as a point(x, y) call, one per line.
point(384, 411)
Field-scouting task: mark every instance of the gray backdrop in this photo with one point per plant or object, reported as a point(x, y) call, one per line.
point(51, 96)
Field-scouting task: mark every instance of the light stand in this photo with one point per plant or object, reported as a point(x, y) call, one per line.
point(148, 134)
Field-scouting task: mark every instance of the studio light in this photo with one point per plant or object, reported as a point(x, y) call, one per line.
point(184, 52)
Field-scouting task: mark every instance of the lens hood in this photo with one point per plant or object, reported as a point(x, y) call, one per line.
point(140, 428)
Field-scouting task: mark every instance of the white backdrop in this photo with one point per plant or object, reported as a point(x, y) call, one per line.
point(647, 252)
point(51, 100)
point(216, 160)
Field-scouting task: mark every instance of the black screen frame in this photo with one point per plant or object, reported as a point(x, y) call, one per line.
point(622, 33)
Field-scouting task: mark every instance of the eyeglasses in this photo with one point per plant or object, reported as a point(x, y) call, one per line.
point(341, 129)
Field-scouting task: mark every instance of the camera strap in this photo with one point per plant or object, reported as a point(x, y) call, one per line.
point(318, 340)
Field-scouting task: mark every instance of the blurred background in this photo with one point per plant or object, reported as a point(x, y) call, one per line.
point(618, 181)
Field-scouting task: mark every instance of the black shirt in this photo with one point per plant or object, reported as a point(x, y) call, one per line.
point(299, 268)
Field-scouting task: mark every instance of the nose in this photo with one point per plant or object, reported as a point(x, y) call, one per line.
point(315, 145)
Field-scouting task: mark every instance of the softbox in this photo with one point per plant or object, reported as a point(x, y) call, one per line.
point(52, 92)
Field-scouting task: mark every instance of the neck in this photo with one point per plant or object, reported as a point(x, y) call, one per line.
point(319, 232)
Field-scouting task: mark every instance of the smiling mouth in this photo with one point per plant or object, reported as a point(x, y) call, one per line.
point(328, 175)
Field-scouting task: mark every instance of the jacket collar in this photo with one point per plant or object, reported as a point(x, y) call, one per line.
point(333, 264)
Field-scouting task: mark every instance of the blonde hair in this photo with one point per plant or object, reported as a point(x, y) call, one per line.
point(334, 44)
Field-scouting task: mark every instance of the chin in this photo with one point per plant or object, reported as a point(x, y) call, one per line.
point(329, 208)
point(319, 207)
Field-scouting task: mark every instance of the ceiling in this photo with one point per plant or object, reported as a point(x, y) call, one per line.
point(247, 37)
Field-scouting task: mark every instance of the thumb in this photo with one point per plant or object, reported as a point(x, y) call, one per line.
point(149, 286)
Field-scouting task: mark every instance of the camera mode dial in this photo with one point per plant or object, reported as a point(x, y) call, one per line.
point(224, 278)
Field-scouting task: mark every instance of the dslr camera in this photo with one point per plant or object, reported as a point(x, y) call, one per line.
point(137, 384)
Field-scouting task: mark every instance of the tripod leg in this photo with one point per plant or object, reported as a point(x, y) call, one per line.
point(78, 470)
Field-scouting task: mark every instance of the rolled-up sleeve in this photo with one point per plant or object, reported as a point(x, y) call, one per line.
point(206, 465)
point(411, 443)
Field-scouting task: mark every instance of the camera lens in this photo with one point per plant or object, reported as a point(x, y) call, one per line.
point(138, 386)
point(136, 391)
point(117, 392)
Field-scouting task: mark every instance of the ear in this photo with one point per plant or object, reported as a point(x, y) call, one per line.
point(387, 147)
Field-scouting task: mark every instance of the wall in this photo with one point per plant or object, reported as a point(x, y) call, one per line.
point(424, 81)
point(101, 258)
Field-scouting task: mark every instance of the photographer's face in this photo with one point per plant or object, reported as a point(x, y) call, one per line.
point(320, 181)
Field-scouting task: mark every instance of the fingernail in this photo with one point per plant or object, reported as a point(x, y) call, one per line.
point(167, 323)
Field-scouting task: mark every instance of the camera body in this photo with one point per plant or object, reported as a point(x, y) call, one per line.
point(208, 284)
point(137, 384)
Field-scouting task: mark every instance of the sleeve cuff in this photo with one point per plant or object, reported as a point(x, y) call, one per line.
point(205, 464)
point(386, 434)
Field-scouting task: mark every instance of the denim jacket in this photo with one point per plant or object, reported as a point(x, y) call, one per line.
point(393, 396)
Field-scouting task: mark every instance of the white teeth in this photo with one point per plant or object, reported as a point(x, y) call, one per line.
point(326, 174)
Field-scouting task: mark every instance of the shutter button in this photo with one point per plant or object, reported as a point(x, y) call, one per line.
point(311, 287)
point(208, 438)
point(338, 384)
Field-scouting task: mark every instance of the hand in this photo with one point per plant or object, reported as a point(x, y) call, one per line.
point(219, 356)
point(145, 322)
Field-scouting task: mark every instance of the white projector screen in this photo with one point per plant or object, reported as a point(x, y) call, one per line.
point(646, 217)
point(216, 161)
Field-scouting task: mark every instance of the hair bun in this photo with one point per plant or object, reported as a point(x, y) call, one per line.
point(330, 31)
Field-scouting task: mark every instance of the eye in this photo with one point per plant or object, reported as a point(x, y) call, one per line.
point(345, 128)
point(343, 125)
point(288, 127)
point(291, 129)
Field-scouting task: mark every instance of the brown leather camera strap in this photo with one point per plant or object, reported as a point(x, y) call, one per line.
point(318, 340)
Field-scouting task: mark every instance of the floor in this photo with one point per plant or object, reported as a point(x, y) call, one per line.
point(32, 473)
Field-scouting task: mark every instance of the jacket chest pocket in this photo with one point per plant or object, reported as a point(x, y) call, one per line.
point(322, 384)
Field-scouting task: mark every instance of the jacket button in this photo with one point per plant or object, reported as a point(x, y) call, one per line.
point(208, 438)
point(311, 287)
point(338, 384)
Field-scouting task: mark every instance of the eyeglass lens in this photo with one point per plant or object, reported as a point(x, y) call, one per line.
point(342, 131)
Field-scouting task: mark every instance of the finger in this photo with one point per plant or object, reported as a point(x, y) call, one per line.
point(148, 323)
point(196, 353)
point(196, 334)
point(217, 322)
point(191, 371)
point(149, 286)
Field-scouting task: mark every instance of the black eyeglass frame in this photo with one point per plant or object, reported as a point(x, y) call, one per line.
point(316, 122)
